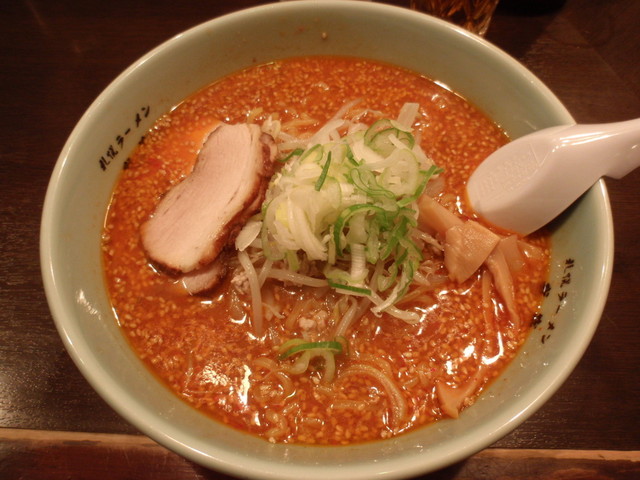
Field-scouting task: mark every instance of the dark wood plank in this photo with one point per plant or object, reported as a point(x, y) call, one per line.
point(63, 455)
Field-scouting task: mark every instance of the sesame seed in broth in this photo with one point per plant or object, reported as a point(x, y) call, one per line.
point(204, 350)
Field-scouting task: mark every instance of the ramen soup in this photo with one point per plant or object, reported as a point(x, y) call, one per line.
point(290, 251)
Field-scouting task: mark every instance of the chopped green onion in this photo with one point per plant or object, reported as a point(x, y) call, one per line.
point(426, 176)
point(323, 175)
point(313, 155)
point(333, 346)
point(344, 342)
point(377, 127)
point(382, 143)
point(365, 180)
point(351, 157)
point(348, 213)
point(350, 288)
point(295, 153)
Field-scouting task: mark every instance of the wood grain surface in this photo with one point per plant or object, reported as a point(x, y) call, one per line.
point(58, 56)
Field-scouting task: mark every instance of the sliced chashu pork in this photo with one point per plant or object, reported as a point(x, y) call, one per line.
point(206, 278)
point(200, 215)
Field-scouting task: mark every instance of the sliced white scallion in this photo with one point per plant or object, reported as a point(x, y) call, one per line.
point(248, 234)
point(408, 114)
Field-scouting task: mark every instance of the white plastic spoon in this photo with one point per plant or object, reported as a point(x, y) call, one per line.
point(527, 183)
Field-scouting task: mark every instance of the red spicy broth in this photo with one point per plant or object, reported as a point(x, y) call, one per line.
point(395, 375)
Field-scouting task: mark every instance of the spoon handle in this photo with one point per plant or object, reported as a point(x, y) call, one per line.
point(611, 149)
point(625, 147)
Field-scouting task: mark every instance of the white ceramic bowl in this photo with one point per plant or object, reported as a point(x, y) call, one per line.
point(79, 192)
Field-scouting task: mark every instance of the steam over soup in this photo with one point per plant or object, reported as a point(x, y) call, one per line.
point(339, 289)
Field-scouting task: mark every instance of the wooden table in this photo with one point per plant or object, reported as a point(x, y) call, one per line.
point(58, 56)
